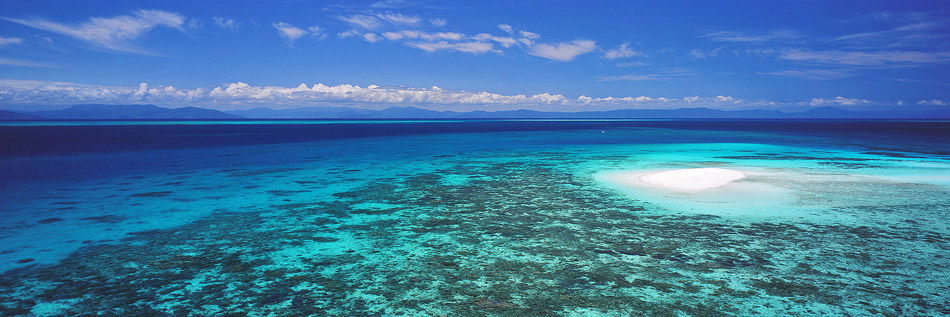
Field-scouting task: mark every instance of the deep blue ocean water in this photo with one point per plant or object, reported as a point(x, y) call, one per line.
point(480, 217)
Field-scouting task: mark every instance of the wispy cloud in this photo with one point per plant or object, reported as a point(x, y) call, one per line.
point(467, 47)
point(623, 51)
point(290, 32)
point(4, 41)
point(753, 37)
point(934, 102)
point(438, 22)
point(868, 58)
point(838, 101)
point(661, 75)
point(18, 62)
point(375, 21)
point(919, 34)
point(116, 33)
point(226, 23)
point(813, 74)
point(564, 51)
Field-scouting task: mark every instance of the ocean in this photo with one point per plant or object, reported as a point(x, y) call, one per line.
point(472, 218)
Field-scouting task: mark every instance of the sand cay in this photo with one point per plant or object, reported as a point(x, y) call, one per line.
point(692, 179)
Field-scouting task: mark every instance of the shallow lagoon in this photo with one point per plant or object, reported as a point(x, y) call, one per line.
point(475, 218)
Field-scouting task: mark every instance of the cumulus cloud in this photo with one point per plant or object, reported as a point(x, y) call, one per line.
point(4, 41)
point(240, 95)
point(116, 33)
point(840, 101)
point(507, 28)
point(227, 24)
point(622, 52)
point(564, 51)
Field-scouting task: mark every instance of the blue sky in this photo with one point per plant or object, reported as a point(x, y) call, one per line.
point(485, 55)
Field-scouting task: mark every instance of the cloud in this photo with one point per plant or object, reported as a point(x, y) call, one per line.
point(753, 37)
point(371, 37)
point(438, 22)
point(564, 51)
point(376, 21)
point(240, 95)
point(392, 4)
point(362, 21)
point(869, 59)
point(934, 102)
point(117, 33)
point(662, 75)
point(318, 32)
point(290, 32)
point(17, 62)
point(4, 41)
point(814, 74)
point(841, 101)
point(396, 18)
point(467, 47)
point(622, 52)
point(507, 28)
point(632, 64)
point(227, 24)
point(920, 34)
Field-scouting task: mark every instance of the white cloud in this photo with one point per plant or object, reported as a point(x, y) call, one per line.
point(396, 18)
point(362, 21)
point(565, 51)
point(841, 101)
point(318, 32)
point(934, 102)
point(503, 40)
point(622, 52)
point(18, 62)
point(117, 33)
point(663, 74)
point(4, 41)
point(752, 37)
point(243, 95)
point(438, 22)
point(507, 28)
point(467, 47)
point(871, 59)
point(290, 32)
point(697, 54)
point(813, 74)
point(529, 35)
point(227, 24)
point(371, 37)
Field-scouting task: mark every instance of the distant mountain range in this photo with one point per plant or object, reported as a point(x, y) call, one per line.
point(146, 112)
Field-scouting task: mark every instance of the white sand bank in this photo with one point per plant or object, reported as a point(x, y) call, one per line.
point(692, 179)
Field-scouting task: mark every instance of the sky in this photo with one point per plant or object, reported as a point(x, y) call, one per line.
point(476, 55)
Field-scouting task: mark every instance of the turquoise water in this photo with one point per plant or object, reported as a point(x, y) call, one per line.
point(481, 223)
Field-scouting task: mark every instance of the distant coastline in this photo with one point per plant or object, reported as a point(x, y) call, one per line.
point(152, 112)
